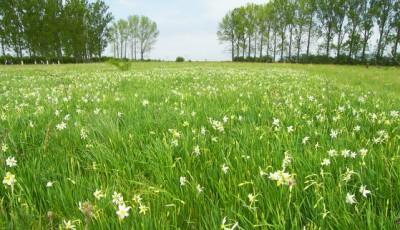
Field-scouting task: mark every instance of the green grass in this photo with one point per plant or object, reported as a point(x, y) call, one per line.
point(135, 132)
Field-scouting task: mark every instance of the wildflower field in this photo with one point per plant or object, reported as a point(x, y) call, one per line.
point(199, 146)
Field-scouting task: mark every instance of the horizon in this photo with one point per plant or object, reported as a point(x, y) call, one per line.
point(187, 28)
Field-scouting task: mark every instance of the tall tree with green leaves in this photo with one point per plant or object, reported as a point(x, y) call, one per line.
point(340, 10)
point(326, 15)
point(396, 29)
point(353, 27)
point(367, 24)
point(226, 32)
point(147, 35)
point(98, 18)
point(133, 23)
point(382, 11)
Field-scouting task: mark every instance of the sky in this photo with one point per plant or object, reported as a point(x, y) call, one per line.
point(187, 28)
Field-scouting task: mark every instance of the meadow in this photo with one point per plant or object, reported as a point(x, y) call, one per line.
point(199, 146)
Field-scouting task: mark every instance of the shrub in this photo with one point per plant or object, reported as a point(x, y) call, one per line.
point(180, 59)
point(122, 64)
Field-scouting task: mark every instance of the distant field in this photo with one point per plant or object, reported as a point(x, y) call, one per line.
point(199, 146)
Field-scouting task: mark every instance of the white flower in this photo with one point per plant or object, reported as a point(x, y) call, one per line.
point(199, 188)
point(363, 152)
point(182, 180)
point(49, 184)
point(143, 209)
point(345, 153)
point(203, 130)
point(225, 226)
point(11, 162)
point(225, 168)
point(145, 102)
point(287, 160)
point(290, 129)
point(326, 162)
point(332, 153)
point(83, 134)
point(333, 134)
point(364, 191)
point(117, 198)
point(123, 211)
point(252, 198)
point(282, 177)
point(350, 198)
point(305, 140)
point(196, 151)
point(276, 122)
point(67, 224)
point(98, 194)
point(61, 126)
point(9, 179)
point(4, 147)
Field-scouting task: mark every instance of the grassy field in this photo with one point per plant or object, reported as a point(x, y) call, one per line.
point(199, 146)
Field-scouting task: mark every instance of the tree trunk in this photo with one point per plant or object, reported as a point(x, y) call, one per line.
point(282, 42)
point(274, 46)
point(233, 49)
point(3, 52)
point(249, 53)
point(135, 49)
point(309, 37)
point(132, 50)
point(290, 43)
point(339, 43)
point(351, 43)
point(328, 39)
point(237, 48)
point(365, 42)
point(396, 43)
point(268, 40)
point(261, 45)
point(255, 47)
point(126, 44)
point(299, 42)
point(122, 49)
point(244, 47)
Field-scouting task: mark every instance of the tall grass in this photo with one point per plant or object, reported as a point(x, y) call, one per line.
point(200, 146)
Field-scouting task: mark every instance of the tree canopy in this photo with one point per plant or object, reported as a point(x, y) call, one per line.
point(297, 30)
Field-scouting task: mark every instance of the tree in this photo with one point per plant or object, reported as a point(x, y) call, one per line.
point(300, 21)
point(147, 35)
point(382, 11)
point(340, 11)
point(226, 32)
point(123, 34)
point(366, 25)
point(353, 26)
point(98, 31)
point(396, 28)
point(327, 19)
point(133, 23)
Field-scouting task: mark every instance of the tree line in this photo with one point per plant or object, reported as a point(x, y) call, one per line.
point(53, 29)
point(340, 31)
point(133, 37)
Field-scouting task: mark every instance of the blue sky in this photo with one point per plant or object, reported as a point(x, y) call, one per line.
point(187, 27)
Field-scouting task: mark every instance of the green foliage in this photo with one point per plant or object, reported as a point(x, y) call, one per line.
point(288, 30)
point(180, 59)
point(120, 64)
point(138, 32)
point(54, 28)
